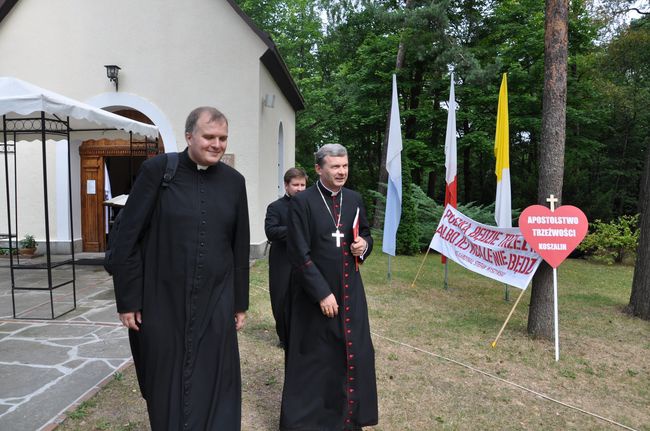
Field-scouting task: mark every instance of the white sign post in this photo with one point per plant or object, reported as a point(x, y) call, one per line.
point(556, 320)
point(554, 235)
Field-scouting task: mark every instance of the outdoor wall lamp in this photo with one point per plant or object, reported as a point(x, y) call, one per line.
point(269, 100)
point(111, 72)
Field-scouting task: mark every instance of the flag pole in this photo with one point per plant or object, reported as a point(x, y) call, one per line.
point(451, 184)
point(420, 269)
point(503, 201)
point(494, 343)
point(446, 273)
point(388, 275)
point(555, 317)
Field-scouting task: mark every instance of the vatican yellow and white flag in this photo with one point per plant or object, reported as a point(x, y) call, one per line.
point(503, 206)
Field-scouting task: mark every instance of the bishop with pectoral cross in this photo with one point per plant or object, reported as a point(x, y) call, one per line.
point(329, 345)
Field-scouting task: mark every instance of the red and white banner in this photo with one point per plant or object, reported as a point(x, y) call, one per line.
point(499, 253)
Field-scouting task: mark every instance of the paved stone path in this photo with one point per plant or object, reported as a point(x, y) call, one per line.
point(49, 366)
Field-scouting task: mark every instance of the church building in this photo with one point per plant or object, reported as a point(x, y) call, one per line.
point(164, 58)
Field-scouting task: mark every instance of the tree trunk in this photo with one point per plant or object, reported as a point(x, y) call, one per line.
point(617, 204)
point(431, 185)
point(640, 298)
point(380, 206)
point(467, 167)
point(410, 122)
point(551, 152)
point(644, 186)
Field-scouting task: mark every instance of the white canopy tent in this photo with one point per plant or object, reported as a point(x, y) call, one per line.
point(31, 113)
point(19, 99)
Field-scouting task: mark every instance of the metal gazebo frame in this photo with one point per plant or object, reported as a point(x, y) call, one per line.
point(46, 126)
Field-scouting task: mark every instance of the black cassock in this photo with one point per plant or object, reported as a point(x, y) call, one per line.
point(275, 227)
point(330, 379)
point(182, 259)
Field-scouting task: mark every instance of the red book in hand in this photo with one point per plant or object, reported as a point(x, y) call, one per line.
point(355, 235)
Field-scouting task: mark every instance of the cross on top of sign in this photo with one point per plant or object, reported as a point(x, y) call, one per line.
point(552, 200)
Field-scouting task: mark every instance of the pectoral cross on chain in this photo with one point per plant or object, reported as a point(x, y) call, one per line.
point(338, 236)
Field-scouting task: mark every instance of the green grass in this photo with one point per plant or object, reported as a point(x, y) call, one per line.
point(598, 343)
point(604, 364)
point(82, 411)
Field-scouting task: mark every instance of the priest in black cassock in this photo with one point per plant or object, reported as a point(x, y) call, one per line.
point(181, 281)
point(275, 227)
point(330, 379)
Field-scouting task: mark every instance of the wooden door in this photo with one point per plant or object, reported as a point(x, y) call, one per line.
point(92, 209)
point(94, 154)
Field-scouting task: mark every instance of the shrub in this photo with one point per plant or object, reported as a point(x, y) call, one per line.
point(409, 231)
point(427, 216)
point(612, 242)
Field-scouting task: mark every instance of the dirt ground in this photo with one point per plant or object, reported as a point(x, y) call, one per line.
point(436, 369)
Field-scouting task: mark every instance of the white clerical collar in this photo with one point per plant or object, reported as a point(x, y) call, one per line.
point(332, 193)
point(198, 167)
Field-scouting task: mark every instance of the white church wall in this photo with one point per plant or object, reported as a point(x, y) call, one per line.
point(205, 55)
point(26, 178)
point(4, 209)
point(63, 207)
point(271, 119)
point(29, 208)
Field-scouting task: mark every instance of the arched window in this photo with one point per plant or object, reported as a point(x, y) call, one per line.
point(281, 167)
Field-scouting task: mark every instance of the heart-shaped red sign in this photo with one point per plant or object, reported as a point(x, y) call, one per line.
point(554, 235)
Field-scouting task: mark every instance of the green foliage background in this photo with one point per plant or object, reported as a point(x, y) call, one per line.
point(342, 55)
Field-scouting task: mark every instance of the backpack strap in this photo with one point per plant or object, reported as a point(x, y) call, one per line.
point(170, 169)
point(113, 237)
